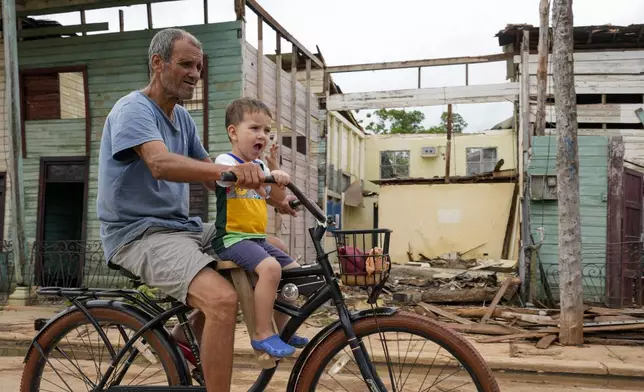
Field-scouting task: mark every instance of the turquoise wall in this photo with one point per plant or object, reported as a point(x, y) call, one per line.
point(593, 191)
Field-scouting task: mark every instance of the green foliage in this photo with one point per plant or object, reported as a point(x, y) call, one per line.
point(397, 121)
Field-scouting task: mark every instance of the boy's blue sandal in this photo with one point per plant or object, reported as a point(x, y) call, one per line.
point(274, 346)
point(298, 341)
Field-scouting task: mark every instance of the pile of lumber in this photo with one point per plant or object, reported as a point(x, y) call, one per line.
point(505, 324)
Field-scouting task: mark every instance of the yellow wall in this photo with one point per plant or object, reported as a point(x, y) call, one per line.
point(421, 167)
point(434, 219)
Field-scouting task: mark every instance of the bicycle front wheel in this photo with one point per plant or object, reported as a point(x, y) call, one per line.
point(409, 353)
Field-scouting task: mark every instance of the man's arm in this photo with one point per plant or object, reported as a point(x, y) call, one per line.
point(210, 185)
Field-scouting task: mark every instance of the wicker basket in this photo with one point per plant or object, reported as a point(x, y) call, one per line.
point(363, 256)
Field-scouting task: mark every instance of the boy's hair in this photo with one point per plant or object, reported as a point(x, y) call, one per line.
point(238, 108)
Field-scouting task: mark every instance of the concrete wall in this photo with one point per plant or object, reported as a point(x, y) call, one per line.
point(439, 218)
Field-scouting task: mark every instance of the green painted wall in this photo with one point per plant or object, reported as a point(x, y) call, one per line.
point(116, 65)
point(593, 190)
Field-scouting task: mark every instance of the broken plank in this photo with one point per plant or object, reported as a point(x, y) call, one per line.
point(496, 300)
point(546, 341)
point(482, 329)
point(499, 339)
point(530, 318)
point(613, 342)
point(444, 313)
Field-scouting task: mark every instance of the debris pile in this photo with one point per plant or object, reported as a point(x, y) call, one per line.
point(506, 324)
point(452, 280)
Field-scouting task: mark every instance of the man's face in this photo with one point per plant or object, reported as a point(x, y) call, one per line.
point(180, 76)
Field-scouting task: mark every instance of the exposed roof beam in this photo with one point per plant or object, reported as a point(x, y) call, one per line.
point(502, 92)
point(253, 5)
point(420, 63)
point(46, 7)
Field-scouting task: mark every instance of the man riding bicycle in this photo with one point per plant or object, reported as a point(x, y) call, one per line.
point(150, 152)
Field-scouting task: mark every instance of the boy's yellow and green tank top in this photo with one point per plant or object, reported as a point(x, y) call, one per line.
point(241, 213)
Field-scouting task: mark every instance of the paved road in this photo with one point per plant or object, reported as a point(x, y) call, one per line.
point(11, 371)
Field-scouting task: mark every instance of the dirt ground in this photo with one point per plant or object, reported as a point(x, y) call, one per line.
point(11, 371)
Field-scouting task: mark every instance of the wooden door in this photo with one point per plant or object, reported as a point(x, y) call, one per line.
point(631, 247)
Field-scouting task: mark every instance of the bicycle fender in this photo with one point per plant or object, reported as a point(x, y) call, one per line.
point(139, 314)
point(325, 332)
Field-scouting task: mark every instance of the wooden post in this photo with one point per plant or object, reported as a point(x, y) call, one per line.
point(467, 74)
point(307, 130)
point(240, 9)
point(278, 115)
point(149, 7)
point(83, 20)
point(260, 57)
point(205, 11)
point(448, 153)
point(293, 231)
point(419, 73)
point(570, 279)
point(13, 129)
point(121, 21)
point(524, 143)
point(542, 70)
point(614, 296)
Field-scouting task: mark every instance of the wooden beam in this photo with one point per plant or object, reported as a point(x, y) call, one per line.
point(149, 9)
point(63, 30)
point(448, 152)
point(278, 115)
point(260, 58)
point(293, 232)
point(501, 92)
point(542, 75)
point(255, 7)
point(307, 128)
point(598, 84)
point(240, 9)
point(490, 58)
point(121, 21)
point(13, 122)
point(48, 7)
point(614, 296)
point(83, 20)
point(205, 11)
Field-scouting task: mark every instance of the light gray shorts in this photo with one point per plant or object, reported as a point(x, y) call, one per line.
point(168, 259)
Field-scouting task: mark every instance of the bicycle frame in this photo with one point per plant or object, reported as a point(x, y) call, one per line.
point(157, 317)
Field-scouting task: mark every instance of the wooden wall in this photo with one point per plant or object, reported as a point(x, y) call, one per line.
point(616, 80)
point(306, 166)
point(114, 70)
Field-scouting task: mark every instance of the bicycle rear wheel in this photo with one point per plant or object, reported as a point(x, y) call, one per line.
point(72, 345)
point(322, 372)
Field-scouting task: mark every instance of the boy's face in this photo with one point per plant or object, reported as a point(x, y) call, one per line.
point(251, 136)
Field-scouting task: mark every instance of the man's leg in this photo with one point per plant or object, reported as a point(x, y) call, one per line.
point(280, 318)
point(174, 262)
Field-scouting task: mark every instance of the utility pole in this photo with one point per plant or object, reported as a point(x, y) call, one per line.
point(570, 282)
point(448, 152)
point(13, 122)
point(542, 69)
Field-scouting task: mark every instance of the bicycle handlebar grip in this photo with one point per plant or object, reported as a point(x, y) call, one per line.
point(231, 177)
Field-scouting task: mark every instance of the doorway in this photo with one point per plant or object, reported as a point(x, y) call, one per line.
point(61, 222)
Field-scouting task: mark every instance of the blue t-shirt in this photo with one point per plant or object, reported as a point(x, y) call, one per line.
point(129, 199)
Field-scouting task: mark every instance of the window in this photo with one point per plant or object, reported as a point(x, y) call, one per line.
point(480, 160)
point(394, 164)
point(301, 143)
point(52, 95)
point(196, 102)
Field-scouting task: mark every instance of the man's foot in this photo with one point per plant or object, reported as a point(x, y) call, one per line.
point(298, 341)
point(274, 346)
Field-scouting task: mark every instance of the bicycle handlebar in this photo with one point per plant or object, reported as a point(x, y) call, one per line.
point(302, 199)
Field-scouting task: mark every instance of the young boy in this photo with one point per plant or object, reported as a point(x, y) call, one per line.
point(242, 217)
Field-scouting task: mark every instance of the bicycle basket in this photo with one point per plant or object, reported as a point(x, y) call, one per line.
point(363, 256)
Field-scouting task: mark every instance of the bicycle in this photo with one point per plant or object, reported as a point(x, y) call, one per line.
point(126, 308)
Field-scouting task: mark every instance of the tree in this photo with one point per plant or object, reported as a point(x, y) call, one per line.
point(400, 121)
point(570, 282)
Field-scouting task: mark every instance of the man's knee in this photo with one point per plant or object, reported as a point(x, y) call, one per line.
point(278, 243)
point(212, 294)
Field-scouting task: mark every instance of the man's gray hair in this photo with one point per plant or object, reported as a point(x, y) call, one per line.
point(163, 42)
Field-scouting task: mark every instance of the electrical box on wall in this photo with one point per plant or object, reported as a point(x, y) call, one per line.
point(428, 152)
point(543, 187)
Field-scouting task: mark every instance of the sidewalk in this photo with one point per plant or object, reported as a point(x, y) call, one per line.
point(17, 330)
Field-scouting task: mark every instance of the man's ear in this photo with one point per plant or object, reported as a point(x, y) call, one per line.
point(232, 132)
point(157, 63)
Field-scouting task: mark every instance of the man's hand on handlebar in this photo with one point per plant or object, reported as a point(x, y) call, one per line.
point(281, 178)
point(249, 175)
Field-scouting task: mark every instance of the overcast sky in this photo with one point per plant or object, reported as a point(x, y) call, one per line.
point(361, 31)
